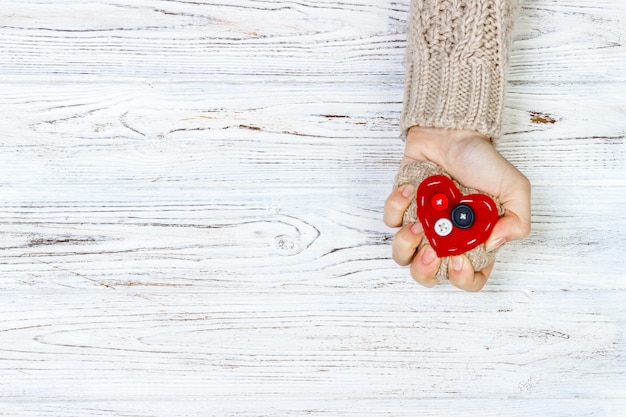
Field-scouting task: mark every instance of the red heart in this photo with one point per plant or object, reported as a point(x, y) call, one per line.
point(432, 206)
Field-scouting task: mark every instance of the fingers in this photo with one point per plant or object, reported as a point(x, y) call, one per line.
point(424, 263)
point(424, 266)
point(462, 275)
point(396, 204)
point(406, 242)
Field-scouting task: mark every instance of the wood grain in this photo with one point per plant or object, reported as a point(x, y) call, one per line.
point(190, 217)
point(221, 344)
point(314, 407)
point(204, 40)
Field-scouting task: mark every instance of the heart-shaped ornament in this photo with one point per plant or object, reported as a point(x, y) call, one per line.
point(453, 223)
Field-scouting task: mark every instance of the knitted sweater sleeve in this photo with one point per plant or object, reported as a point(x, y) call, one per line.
point(457, 55)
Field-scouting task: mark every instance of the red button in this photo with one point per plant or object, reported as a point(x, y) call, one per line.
point(440, 202)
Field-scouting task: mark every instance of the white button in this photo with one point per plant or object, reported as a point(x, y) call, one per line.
point(443, 227)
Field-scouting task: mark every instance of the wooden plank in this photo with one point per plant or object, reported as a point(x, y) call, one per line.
point(274, 238)
point(203, 40)
point(569, 41)
point(270, 39)
point(138, 343)
point(284, 133)
point(317, 407)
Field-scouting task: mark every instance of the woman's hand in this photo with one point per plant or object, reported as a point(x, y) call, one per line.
point(471, 159)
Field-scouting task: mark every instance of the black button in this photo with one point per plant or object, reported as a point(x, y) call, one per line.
point(462, 216)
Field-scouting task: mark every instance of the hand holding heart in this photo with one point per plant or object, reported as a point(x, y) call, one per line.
point(470, 159)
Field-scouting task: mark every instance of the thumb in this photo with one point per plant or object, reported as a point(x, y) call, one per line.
point(509, 227)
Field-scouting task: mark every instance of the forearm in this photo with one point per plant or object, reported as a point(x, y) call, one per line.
point(457, 57)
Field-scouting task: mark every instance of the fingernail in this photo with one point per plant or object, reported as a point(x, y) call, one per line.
point(457, 263)
point(408, 191)
point(417, 228)
point(429, 256)
point(495, 244)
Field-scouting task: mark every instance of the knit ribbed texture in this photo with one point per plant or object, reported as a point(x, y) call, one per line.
point(457, 55)
point(416, 172)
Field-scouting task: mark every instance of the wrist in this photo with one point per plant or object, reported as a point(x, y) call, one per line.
point(441, 145)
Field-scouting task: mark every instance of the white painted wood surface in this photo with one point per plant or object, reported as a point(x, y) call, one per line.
point(190, 217)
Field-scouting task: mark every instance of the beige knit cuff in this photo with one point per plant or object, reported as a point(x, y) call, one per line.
point(454, 95)
point(457, 56)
